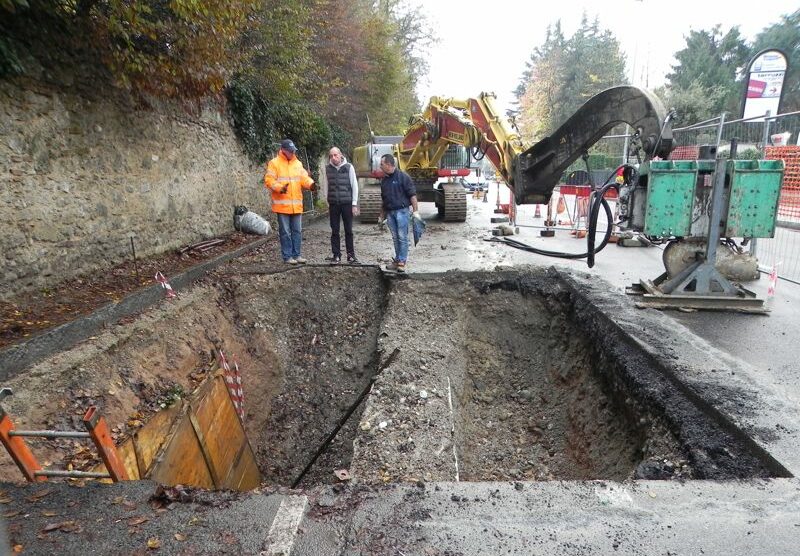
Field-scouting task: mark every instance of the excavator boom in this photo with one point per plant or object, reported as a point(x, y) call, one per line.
point(538, 169)
point(531, 172)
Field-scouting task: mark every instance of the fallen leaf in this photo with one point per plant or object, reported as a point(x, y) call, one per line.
point(5, 500)
point(52, 526)
point(17, 548)
point(12, 513)
point(179, 537)
point(49, 513)
point(130, 506)
point(137, 520)
point(153, 543)
point(71, 527)
point(38, 495)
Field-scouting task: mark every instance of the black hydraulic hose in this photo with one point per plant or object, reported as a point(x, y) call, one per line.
point(561, 254)
point(598, 200)
point(594, 212)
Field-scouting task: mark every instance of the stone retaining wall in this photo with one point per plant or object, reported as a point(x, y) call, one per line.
point(80, 173)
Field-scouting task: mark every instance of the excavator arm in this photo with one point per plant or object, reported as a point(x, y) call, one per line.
point(472, 123)
point(538, 169)
point(531, 172)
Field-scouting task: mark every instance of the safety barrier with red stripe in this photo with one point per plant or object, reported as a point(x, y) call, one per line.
point(789, 204)
point(233, 380)
point(685, 152)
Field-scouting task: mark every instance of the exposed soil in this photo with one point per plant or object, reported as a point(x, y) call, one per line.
point(530, 381)
point(31, 313)
point(494, 376)
point(496, 385)
point(315, 332)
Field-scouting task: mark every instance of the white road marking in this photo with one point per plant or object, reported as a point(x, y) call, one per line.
point(283, 532)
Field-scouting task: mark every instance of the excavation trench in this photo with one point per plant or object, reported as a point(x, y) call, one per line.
point(483, 377)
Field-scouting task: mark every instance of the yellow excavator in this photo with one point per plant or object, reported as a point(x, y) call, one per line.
point(448, 127)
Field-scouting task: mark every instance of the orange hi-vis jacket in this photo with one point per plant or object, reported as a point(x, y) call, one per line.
point(280, 172)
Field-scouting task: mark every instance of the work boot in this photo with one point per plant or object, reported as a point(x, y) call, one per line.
point(392, 265)
point(290, 261)
point(334, 259)
point(301, 260)
point(401, 266)
point(351, 259)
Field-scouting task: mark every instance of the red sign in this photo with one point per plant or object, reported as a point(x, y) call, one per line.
point(755, 88)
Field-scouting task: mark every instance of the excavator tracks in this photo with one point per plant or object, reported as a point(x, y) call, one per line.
point(369, 202)
point(451, 201)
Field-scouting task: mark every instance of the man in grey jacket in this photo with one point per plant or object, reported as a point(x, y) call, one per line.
point(342, 204)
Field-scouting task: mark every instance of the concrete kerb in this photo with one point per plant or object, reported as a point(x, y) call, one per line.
point(18, 357)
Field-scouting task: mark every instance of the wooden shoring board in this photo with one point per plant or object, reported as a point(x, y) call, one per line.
point(181, 460)
point(138, 451)
point(148, 440)
point(209, 435)
point(225, 444)
point(198, 442)
point(127, 453)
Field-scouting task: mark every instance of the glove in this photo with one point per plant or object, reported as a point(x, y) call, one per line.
point(381, 223)
point(416, 215)
point(285, 188)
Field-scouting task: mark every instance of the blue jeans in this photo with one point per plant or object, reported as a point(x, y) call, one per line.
point(290, 227)
point(397, 220)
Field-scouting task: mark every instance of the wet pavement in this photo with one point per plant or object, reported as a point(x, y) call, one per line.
point(739, 369)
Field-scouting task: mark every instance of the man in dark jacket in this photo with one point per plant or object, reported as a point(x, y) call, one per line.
point(342, 204)
point(397, 193)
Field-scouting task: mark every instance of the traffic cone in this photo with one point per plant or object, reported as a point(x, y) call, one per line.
point(538, 213)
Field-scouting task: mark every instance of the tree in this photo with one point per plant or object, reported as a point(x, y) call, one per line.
point(694, 103)
point(593, 63)
point(178, 49)
point(785, 36)
point(708, 69)
point(540, 85)
point(310, 69)
point(563, 74)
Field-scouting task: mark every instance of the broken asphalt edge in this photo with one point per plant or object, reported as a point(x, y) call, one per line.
point(16, 358)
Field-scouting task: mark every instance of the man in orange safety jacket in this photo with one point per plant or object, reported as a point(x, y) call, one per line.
point(286, 178)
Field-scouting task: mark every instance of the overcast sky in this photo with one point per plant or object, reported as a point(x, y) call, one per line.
point(484, 44)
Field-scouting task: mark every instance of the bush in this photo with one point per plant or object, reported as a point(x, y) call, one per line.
point(260, 124)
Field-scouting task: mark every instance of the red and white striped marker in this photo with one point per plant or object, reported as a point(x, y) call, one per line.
point(164, 284)
point(773, 282)
point(233, 380)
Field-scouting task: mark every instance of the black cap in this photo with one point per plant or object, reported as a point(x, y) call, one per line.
point(288, 145)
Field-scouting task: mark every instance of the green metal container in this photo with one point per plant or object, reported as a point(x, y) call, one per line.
point(754, 192)
point(671, 185)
